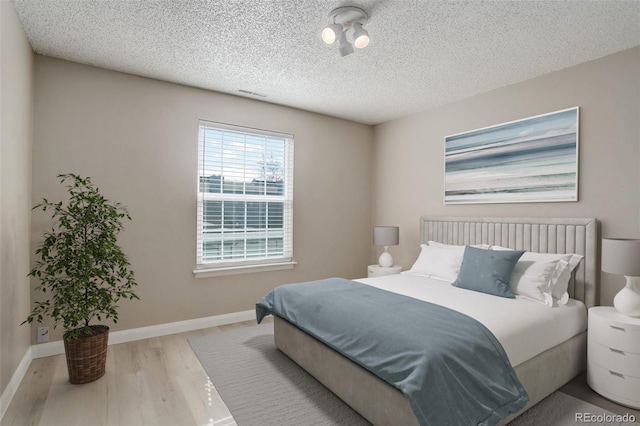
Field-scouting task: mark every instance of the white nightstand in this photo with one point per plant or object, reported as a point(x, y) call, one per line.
point(380, 271)
point(613, 355)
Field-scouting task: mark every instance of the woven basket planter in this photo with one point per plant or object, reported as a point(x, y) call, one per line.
point(87, 356)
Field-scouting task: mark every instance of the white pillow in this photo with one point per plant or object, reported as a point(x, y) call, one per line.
point(560, 289)
point(442, 263)
point(543, 277)
point(437, 244)
point(536, 274)
point(501, 248)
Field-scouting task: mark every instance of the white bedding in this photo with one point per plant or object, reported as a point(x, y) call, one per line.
point(524, 328)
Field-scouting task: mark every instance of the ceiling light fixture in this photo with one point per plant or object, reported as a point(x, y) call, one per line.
point(342, 20)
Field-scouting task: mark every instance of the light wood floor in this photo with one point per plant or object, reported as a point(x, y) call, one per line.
point(155, 381)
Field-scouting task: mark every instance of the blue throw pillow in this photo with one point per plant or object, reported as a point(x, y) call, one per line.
point(488, 271)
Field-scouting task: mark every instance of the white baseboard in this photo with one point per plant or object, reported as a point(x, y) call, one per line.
point(16, 379)
point(56, 348)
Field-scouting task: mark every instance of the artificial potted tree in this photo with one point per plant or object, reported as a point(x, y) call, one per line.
point(84, 273)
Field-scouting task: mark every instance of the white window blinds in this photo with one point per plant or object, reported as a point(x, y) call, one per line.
point(245, 196)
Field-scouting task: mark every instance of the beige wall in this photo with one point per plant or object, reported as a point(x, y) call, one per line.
point(137, 139)
point(409, 167)
point(16, 103)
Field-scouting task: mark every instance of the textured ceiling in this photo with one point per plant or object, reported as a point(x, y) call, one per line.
point(422, 53)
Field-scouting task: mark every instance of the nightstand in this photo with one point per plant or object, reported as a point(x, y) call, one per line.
point(381, 271)
point(613, 355)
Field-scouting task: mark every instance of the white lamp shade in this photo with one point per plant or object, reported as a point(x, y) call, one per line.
point(621, 256)
point(386, 235)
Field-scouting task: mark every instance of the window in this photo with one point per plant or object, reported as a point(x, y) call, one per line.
point(245, 197)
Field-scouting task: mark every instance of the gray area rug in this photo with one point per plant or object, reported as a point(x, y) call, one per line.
point(262, 386)
point(563, 410)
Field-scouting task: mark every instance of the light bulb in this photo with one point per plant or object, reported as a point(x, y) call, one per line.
point(360, 36)
point(330, 33)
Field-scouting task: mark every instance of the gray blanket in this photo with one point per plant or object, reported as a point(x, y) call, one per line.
point(451, 368)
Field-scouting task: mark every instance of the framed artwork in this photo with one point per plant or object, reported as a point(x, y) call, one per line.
point(530, 160)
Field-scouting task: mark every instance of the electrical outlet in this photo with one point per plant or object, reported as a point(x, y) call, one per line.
point(43, 334)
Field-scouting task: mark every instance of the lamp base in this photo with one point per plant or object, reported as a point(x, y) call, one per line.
point(385, 260)
point(627, 301)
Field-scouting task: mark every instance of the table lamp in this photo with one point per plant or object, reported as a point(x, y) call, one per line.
point(622, 256)
point(386, 236)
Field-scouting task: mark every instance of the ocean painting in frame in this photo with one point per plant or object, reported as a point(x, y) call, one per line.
point(530, 160)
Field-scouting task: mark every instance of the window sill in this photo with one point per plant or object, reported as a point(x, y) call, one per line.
point(245, 269)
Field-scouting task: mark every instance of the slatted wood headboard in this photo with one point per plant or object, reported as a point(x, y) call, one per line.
point(542, 235)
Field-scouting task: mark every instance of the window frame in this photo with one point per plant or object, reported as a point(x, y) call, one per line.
point(245, 265)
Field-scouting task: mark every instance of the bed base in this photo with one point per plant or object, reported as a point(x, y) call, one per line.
point(382, 404)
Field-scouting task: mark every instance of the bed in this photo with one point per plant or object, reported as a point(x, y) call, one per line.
point(540, 371)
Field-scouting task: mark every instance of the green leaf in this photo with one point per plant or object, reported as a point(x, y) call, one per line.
point(79, 262)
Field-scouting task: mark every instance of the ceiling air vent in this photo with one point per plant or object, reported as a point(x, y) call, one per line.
point(250, 93)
